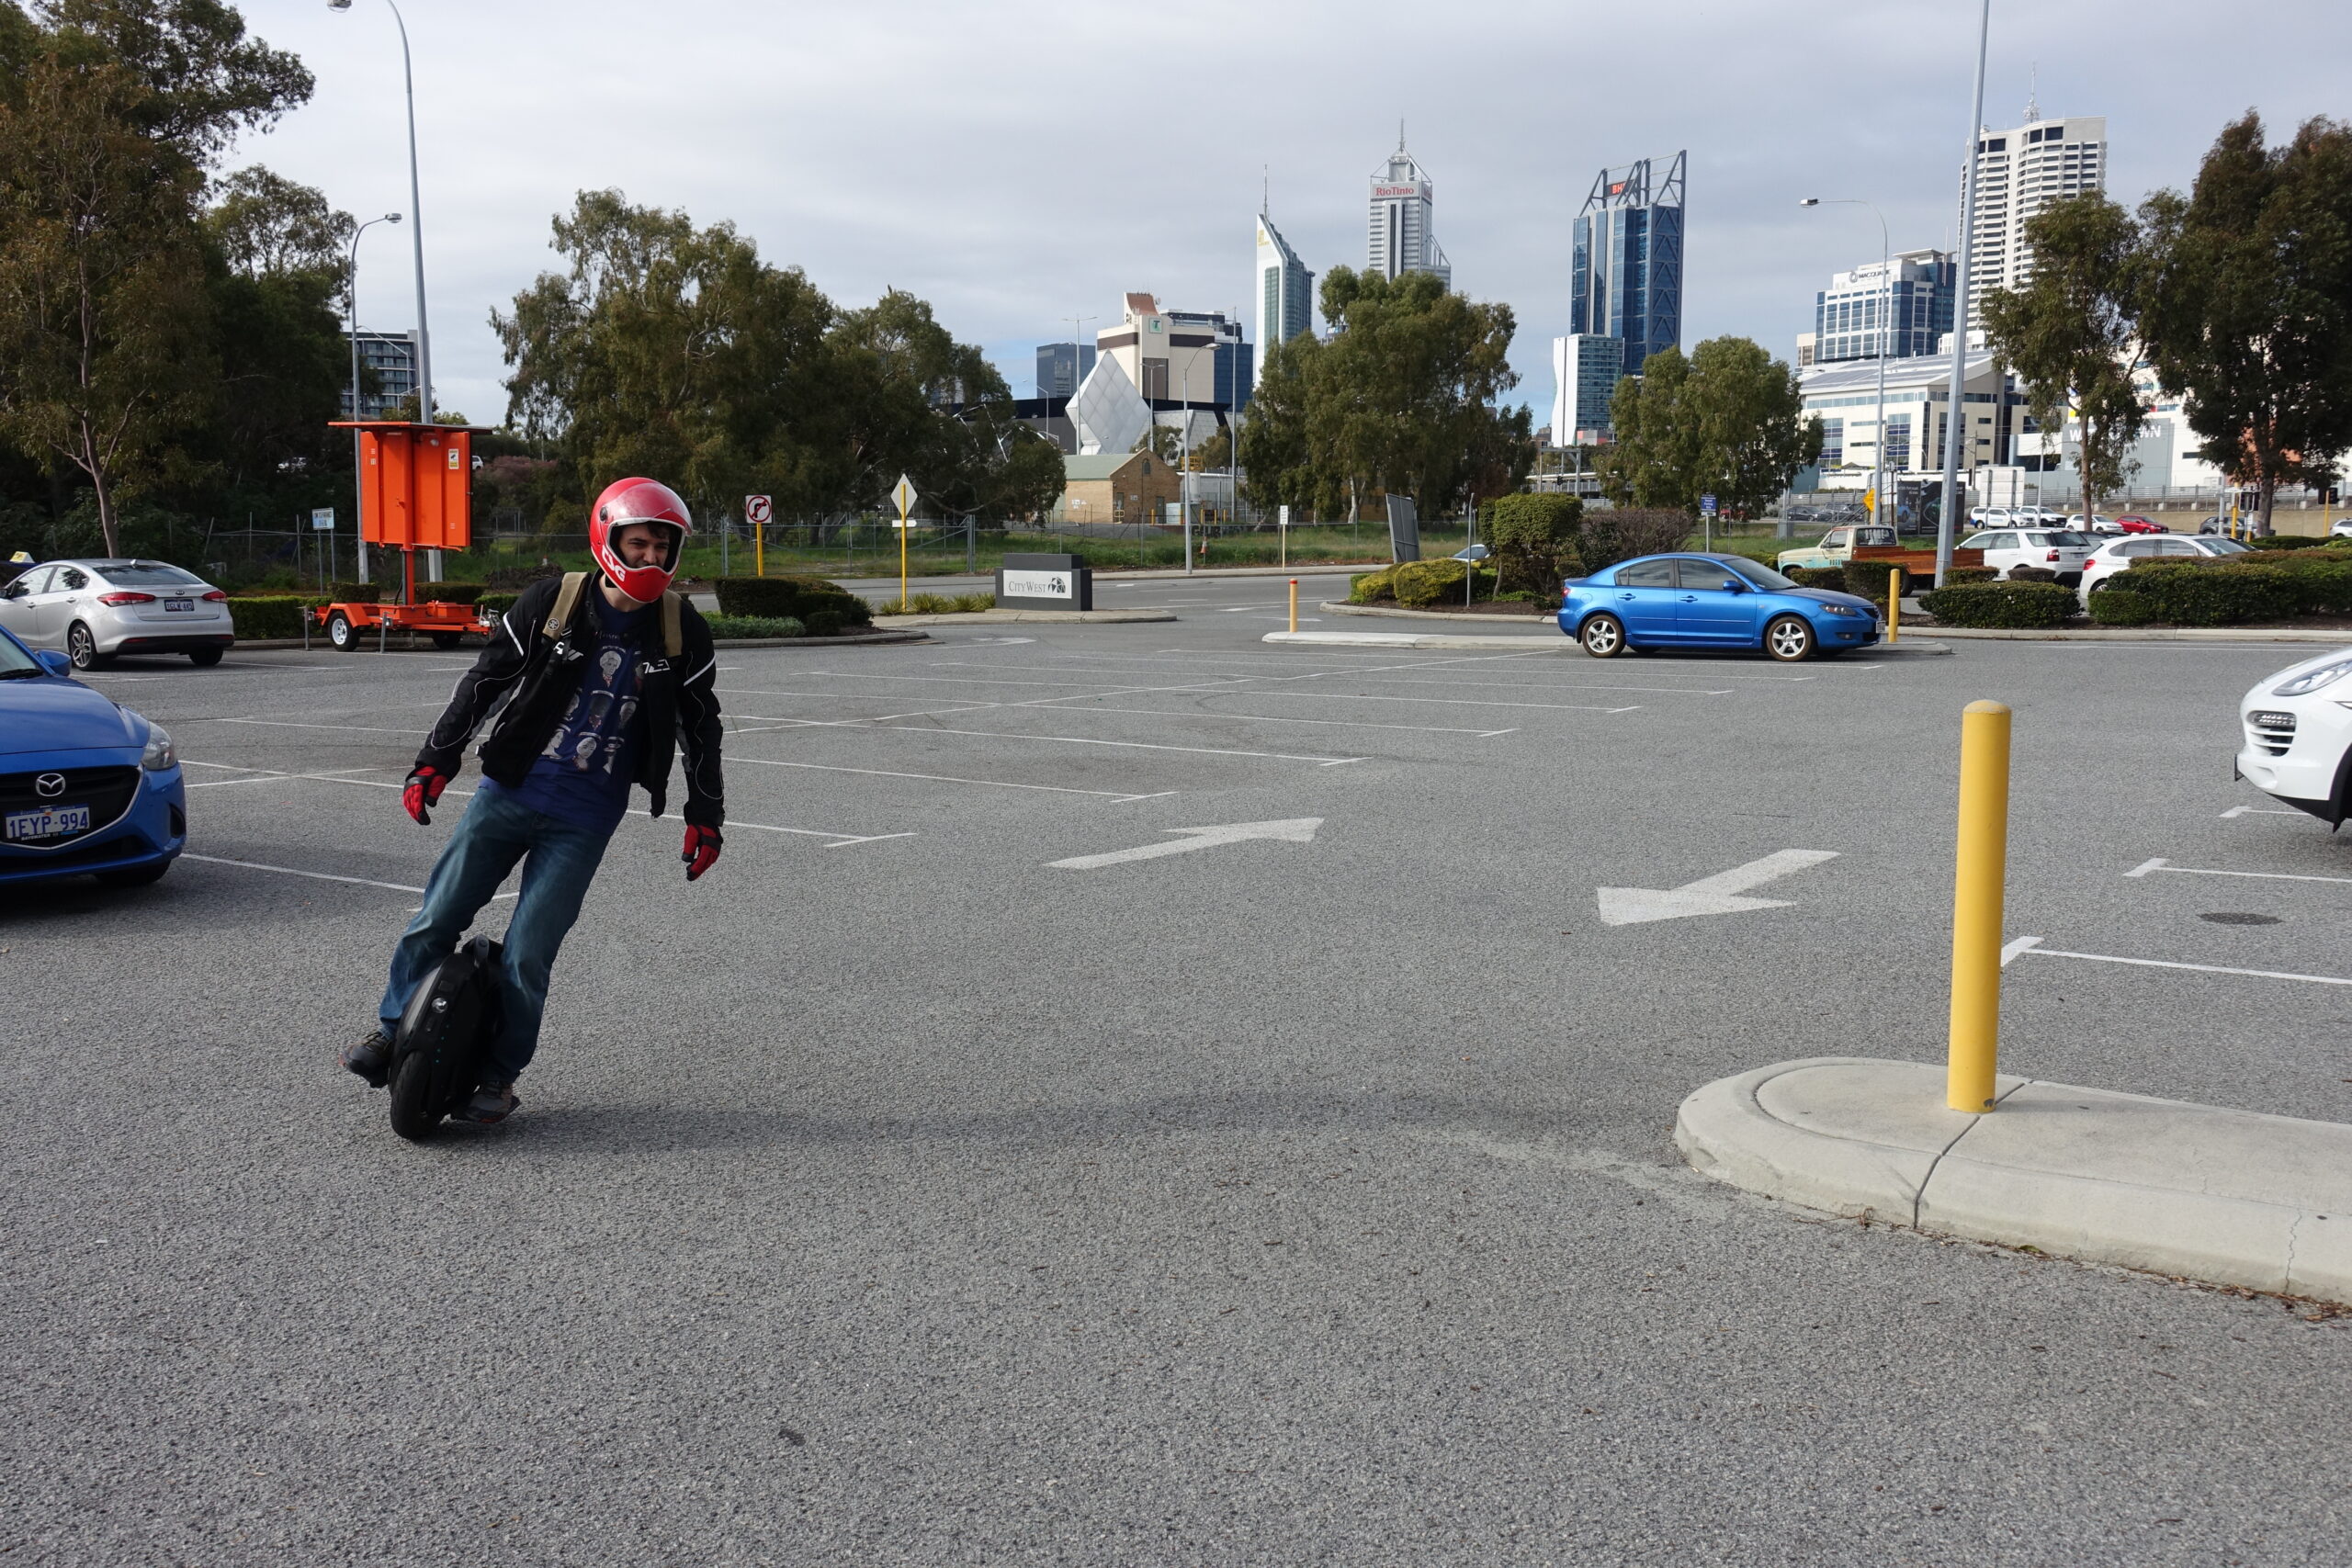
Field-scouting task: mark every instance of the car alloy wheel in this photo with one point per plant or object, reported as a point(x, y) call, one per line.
point(83, 649)
point(1603, 637)
point(1789, 639)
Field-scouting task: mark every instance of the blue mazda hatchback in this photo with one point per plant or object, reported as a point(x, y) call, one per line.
point(87, 787)
point(1698, 601)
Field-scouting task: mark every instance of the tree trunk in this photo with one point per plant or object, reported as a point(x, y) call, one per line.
point(96, 469)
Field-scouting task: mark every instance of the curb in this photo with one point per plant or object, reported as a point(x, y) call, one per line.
point(1332, 607)
point(998, 617)
point(2153, 634)
point(2193, 1191)
point(1540, 644)
point(320, 645)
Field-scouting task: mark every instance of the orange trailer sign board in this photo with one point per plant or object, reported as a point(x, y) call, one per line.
point(415, 484)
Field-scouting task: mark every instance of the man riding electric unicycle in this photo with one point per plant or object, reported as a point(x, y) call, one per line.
point(605, 675)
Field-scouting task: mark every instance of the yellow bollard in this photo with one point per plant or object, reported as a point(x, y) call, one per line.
point(759, 549)
point(1294, 603)
point(1894, 604)
point(1977, 886)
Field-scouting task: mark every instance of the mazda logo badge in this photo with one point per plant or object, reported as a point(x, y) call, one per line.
point(48, 786)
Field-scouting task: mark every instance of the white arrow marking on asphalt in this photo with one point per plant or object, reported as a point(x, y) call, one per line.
point(1716, 894)
point(1297, 831)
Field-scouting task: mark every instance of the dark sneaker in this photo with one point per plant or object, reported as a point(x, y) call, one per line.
point(370, 1056)
point(492, 1103)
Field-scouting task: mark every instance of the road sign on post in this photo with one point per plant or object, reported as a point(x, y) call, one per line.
point(1706, 506)
point(757, 510)
point(903, 493)
point(322, 520)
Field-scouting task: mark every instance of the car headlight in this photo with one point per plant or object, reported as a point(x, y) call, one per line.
point(1841, 609)
point(159, 754)
point(2313, 680)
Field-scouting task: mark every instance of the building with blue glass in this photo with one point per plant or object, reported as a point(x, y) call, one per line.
point(1916, 290)
point(1061, 366)
point(1627, 277)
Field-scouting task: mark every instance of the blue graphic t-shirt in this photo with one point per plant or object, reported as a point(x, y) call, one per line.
point(584, 776)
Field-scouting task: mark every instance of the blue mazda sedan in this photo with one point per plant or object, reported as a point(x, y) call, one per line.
point(1698, 601)
point(87, 787)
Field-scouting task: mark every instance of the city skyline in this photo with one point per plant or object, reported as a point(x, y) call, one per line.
point(1515, 154)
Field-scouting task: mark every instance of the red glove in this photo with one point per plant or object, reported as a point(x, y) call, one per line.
point(702, 849)
point(424, 792)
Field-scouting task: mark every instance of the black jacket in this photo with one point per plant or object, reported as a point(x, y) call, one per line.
point(675, 701)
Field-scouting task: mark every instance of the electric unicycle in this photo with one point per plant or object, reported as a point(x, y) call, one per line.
point(443, 1038)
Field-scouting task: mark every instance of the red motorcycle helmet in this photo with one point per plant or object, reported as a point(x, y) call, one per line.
point(639, 501)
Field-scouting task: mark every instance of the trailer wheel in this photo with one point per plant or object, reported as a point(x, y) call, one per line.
point(445, 639)
point(341, 633)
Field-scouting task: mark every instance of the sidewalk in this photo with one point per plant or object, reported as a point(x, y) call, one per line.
point(2226, 1196)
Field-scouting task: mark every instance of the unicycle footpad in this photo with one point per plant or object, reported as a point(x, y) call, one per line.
point(444, 1036)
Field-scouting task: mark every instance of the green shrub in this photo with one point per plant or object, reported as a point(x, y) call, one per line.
point(274, 616)
point(356, 593)
point(2020, 604)
point(448, 592)
point(2215, 593)
point(521, 576)
point(1535, 540)
point(1832, 578)
point(754, 625)
point(920, 605)
point(497, 604)
point(799, 598)
point(1868, 578)
point(1433, 584)
point(1371, 587)
point(2290, 542)
point(1624, 533)
point(824, 623)
point(1956, 576)
point(2033, 574)
point(972, 603)
point(2113, 606)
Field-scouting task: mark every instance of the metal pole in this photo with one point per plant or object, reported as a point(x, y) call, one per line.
point(1977, 888)
point(416, 232)
point(1184, 475)
point(1885, 304)
point(351, 297)
point(1956, 408)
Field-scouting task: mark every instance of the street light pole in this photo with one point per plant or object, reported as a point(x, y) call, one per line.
point(1184, 474)
point(351, 301)
point(416, 215)
point(1956, 408)
point(1885, 309)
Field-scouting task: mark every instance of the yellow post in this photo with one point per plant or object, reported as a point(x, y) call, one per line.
point(1894, 604)
point(1977, 902)
point(1294, 603)
point(902, 559)
point(759, 549)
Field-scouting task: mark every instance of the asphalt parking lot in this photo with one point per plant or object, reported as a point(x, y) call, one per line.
point(938, 1181)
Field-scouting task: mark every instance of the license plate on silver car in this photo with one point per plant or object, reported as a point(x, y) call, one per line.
point(49, 822)
point(189, 605)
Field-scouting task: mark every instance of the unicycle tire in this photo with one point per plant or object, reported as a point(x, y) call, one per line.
point(415, 1112)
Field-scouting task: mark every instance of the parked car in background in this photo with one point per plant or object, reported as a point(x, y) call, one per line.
point(93, 610)
point(1697, 600)
point(2094, 523)
point(1990, 517)
point(2130, 523)
point(1837, 545)
point(2296, 730)
point(2117, 555)
point(2058, 550)
point(2340, 529)
point(87, 787)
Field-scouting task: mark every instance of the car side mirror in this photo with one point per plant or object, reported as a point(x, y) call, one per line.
point(56, 663)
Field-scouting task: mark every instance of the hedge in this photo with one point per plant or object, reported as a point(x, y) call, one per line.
point(1429, 585)
point(449, 592)
point(1868, 578)
point(497, 604)
point(1535, 540)
point(2018, 604)
point(1624, 533)
point(803, 599)
point(355, 593)
point(754, 626)
point(1832, 578)
point(274, 616)
point(1956, 576)
point(2220, 593)
point(1371, 587)
point(2114, 606)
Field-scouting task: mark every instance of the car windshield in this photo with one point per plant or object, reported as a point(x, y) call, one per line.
point(1759, 574)
point(2221, 546)
point(2072, 541)
point(147, 574)
point(15, 662)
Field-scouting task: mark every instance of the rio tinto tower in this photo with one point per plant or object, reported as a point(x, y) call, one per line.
point(1402, 201)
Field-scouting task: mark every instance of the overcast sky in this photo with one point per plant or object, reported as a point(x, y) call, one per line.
point(1016, 163)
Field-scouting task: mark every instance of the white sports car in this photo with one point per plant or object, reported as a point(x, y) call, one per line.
point(2297, 736)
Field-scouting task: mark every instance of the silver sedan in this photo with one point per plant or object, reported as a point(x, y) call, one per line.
point(96, 609)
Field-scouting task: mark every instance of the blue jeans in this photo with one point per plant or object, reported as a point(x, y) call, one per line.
point(493, 834)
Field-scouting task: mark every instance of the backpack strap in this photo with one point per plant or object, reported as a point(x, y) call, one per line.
point(674, 636)
point(567, 601)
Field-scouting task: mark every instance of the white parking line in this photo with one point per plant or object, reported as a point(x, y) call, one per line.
point(1447, 702)
point(321, 876)
point(2030, 947)
point(265, 776)
point(867, 724)
point(1113, 796)
point(2144, 867)
point(290, 724)
point(1380, 677)
point(2260, 811)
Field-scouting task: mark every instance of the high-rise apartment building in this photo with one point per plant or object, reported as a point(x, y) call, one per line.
point(1627, 268)
point(1586, 368)
point(1403, 205)
point(1061, 366)
point(392, 357)
point(2018, 172)
point(1913, 288)
point(1285, 290)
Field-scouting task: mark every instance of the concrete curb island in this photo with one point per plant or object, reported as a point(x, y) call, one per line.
point(1537, 643)
point(1026, 617)
point(2148, 634)
point(320, 644)
point(2225, 1197)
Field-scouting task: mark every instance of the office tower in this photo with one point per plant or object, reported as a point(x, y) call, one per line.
point(1916, 289)
point(2018, 172)
point(1285, 290)
point(1192, 356)
point(392, 357)
point(1061, 366)
point(1585, 371)
point(1627, 270)
point(1403, 204)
